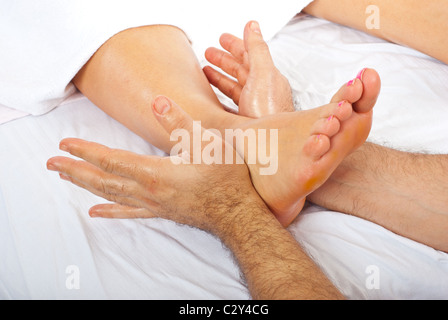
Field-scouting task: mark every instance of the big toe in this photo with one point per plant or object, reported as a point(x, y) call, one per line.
point(371, 83)
point(362, 91)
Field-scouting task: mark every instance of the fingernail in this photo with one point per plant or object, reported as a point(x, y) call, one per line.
point(94, 214)
point(63, 147)
point(51, 166)
point(255, 27)
point(161, 105)
point(360, 73)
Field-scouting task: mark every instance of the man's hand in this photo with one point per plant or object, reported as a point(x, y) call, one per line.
point(214, 197)
point(147, 186)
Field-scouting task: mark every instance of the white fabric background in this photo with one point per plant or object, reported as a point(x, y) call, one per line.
point(45, 43)
point(44, 226)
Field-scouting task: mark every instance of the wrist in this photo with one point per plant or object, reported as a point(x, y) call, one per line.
point(272, 263)
point(234, 222)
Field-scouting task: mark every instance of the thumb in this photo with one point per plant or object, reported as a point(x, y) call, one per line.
point(178, 124)
point(256, 47)
point(171, 116)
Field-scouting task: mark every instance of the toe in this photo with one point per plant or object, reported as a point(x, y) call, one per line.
point(329, 126)
point(342, 110)
point(362, 91)
point(350, 91)
point(371, 89)
point(316, 146)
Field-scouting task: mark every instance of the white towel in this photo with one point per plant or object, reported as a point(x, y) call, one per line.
point(45, 43)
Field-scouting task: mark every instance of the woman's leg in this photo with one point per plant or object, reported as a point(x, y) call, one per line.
point(125, 75)
point(419, 25)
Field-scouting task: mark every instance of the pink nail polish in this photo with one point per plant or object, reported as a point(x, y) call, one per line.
point(350, 83)
point(359, 76)
point(340, 103)
point(330, 118)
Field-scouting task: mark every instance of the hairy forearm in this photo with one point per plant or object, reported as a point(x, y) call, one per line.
point(418, 24)
point(404, 192)
point(272, 262)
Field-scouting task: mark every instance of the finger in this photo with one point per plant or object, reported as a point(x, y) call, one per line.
point(171, 116)
point(108, 186)
point(228, 64)
point(259, 55)
point(119, 211)
point(227, 86)
point(119, 162)
point(128, 201)
point(179, 125)
point(234, 45)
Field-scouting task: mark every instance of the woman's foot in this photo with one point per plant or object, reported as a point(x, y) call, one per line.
point(311, 144)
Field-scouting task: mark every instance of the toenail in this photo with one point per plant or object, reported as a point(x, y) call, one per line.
point(360, 74)
point(330, 118)
point(350, 82)
point(341, 103)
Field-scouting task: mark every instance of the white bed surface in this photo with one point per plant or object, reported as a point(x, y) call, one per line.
point(45, 228)
point(45, 43)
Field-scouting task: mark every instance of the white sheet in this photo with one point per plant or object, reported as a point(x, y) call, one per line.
point(45, 43)
point(45, 229)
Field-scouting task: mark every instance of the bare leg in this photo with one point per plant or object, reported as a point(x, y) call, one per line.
point(133, 67)
point(404, 192)
point(405, 22)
